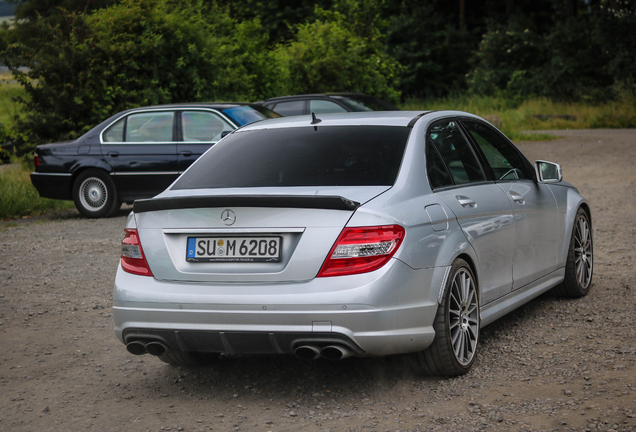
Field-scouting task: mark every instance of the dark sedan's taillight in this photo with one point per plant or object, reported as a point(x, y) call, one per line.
point(362, 249)
point(133, 259)
point(36, 160)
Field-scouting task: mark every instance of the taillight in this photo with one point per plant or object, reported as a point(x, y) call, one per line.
point(36, 160)
point(361, 250)
point(133, 259)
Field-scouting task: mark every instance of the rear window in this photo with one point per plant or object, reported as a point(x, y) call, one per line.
point(301, 156)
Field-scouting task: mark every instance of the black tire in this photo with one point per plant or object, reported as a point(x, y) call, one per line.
point(580, 262)
point(94, 194)
point(189, 359)
point(456, 325)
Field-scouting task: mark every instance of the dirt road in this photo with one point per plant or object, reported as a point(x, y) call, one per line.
point(555, 364)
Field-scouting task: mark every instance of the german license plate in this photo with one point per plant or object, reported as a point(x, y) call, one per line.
point(234, 249)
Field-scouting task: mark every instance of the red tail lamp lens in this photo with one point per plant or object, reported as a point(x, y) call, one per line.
point(362, 250)
point(133, 259)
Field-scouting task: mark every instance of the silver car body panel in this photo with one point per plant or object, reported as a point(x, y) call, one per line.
point(387, 311)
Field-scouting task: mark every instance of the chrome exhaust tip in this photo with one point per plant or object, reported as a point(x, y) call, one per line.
point(307, 352)
point(156, 348)
point(136, 347)
point(335, 352)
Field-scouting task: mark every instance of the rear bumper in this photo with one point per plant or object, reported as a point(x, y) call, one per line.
point(53, 185)
point(389, 311)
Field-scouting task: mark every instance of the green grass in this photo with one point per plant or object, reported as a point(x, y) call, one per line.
point(19, 197)
point(538, 114)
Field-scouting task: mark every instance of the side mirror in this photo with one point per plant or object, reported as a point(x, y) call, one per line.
point(548, 172)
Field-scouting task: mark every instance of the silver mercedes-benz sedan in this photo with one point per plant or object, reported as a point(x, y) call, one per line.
point(358, 234)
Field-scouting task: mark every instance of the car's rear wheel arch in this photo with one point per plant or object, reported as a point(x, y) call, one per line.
point(471, 263)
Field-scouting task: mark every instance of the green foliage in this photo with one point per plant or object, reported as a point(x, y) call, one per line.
point(279, 18)
point(341, 51)
point(582, 57)
point(433, 50)
point(135, 53)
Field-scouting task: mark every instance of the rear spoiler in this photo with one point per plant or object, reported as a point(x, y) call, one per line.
point(225, 201)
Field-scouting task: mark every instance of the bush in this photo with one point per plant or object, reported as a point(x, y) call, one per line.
point(588, 57)
point(136, 53)
point(340, 51)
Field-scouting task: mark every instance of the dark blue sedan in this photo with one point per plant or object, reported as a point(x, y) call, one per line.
point(135, 154)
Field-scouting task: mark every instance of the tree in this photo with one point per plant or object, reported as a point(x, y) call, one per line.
point(136, 53)
point(342, 50)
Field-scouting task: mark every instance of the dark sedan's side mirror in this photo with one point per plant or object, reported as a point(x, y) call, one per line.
point(548, 172)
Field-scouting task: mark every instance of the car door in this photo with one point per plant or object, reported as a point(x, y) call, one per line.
point(199, 130)
point(142, 152)
point(535, 208)
point(482, 208)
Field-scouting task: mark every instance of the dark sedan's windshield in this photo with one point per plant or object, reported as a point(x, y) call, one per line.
point(245, 114)
point(301, 156)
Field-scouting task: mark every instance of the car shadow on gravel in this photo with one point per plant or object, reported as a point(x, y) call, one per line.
point(263, 376)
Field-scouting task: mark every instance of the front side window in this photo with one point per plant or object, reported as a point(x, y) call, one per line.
point(456, 153)
point(150, 127)
point(504, 160)
point(203, 126)
point(301, 156)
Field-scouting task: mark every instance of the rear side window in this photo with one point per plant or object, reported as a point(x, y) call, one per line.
point(456, 153)
point(301, 156)
point(150, 127)
point(115, 133)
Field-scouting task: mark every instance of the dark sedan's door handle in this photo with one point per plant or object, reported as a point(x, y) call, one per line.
point(517, 198)
point(185, 153)
point(465, 201)
point(113, 154)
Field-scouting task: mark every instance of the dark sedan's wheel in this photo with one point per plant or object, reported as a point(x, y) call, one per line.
point(579, 264)
point(183, 358)
point(456, 327)
point(94, 194)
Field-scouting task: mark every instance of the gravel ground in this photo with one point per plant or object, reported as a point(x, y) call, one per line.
point(554, 364)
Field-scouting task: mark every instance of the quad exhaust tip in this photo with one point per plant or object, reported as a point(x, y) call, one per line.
point(307, 352)
point(335, 352)
point(330, 352)
point(140, 348)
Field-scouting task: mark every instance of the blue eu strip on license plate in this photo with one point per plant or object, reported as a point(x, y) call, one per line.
point(234, 249)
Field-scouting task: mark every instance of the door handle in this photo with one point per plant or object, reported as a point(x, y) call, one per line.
point(465, 201)
point(185, 153)
point(517, 198)
point(113, 154)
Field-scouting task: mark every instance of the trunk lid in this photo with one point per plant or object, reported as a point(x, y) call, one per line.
point(303, 221)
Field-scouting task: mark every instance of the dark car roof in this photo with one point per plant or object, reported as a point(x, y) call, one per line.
point(213, 105)
point(315, 96)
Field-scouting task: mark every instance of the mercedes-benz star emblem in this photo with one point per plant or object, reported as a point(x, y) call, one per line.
point(228, 217)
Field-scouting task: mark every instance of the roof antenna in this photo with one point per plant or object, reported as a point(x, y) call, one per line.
point(314, 121)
